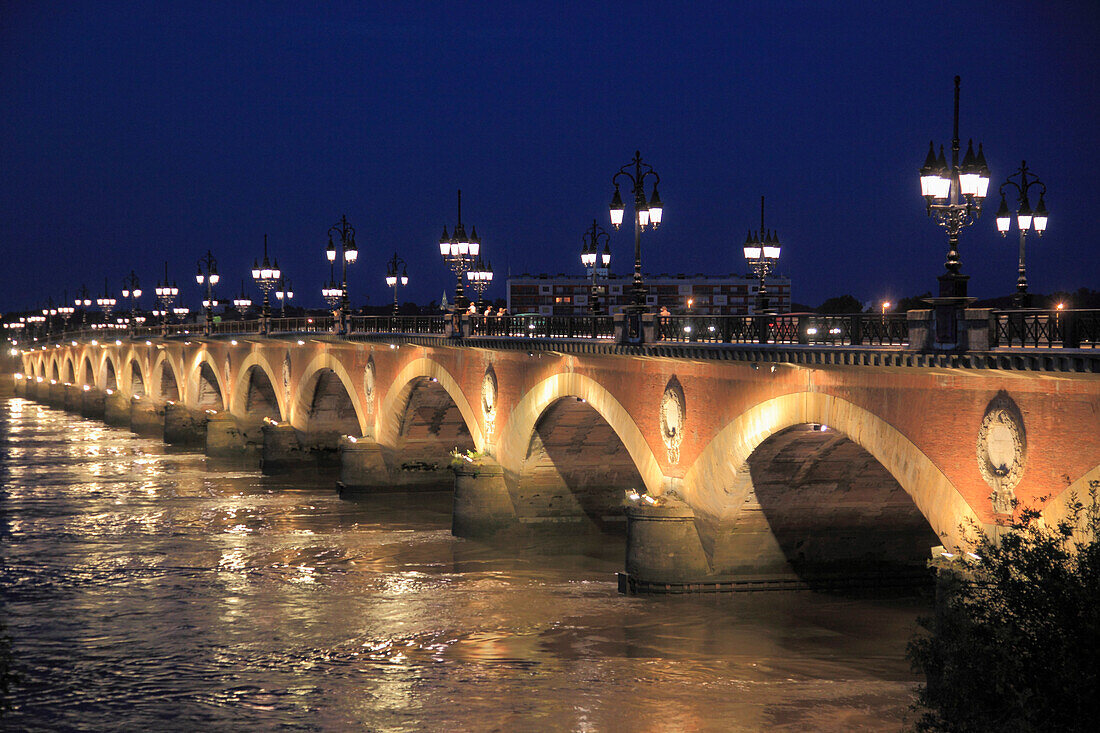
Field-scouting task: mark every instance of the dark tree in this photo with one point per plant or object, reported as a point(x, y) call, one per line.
point(915, 302)
point(841, 304)
point(1014, 644)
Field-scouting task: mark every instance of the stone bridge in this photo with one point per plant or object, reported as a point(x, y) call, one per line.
point(736, 464)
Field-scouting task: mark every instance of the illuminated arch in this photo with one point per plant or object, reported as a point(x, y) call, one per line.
point(69, 371)
point(157, 376)
point(708, 480)
point(516, 435)
point(1058, 507)
point(194, 380)
point(146, 384)
point(307, 383)
point(87, 372)
point(392, 411)
point(238, 401)
point(109, 360)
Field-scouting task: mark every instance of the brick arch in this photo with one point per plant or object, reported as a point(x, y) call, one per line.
point(307, 383)
point(1057, 508)
point(87, 373)
point(194, 380)
point(392, 411)
point(68, 372)
point(109, 360)
point(157, 376)
point(239, 397)
point(710, 478)
point(143, 372)
point(55, 368)
point(515, 437)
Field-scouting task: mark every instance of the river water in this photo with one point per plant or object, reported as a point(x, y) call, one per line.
point(149, 588)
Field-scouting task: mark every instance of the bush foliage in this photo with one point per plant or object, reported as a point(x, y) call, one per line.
point(1014, 644)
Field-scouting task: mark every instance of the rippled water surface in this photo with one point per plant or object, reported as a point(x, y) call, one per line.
point(146, 588)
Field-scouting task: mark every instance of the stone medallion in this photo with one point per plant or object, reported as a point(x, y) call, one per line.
point(672, 419)
point(489, 399)
point(368, 384)
point(1002, 451)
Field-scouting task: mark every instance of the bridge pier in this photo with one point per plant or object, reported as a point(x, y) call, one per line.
point(282, 449)
point(55, 394)
point(182, 426)
point(224, 437)
point(663, 549)
point(116, 409)
point(73, 397)
point(147, 418)
point(363, 466)
point(93, 403)
point(482, 504)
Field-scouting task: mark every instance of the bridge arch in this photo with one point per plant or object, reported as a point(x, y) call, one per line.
point(137, 378)
point(205, 389)
point(323, 384)
point(392, 412)
point(109, 372)
point(1058, 507)
point(255, 388)
point(87, 374)
point(68, 372)
point(166, 386)
point(711, 483)
point(516, 433)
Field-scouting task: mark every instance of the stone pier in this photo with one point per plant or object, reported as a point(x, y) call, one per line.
point(482, 504)
point(223, 436)
point(116, 409)
point(663, 549)
point(282, 450)
point(362, 466)
point(73, 397)
point(183, 426)
point(93, 404)
point(147, 418)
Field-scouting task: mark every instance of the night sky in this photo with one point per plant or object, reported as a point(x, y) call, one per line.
point(135, 133)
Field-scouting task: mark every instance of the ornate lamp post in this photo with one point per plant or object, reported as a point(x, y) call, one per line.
point(953, 195)
point(396, 274)
point(48, 313)
point(107, 303)
point(83, 302)
point(459, 252)
point(265, 276)
point(208, 274)
point(283, 294)
point(762, 252)
point(1025, 218)
point(645, 214)
point(331, 292)
point(166, 293)
point(66, 312)
point(480, 276)
point(348, 254)
point(591, 258)
point(131, 288)
point(242, 303)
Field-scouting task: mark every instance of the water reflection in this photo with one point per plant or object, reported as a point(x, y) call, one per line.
point(147, 587)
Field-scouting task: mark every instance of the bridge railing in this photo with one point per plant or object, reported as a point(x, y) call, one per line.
point(302, 324)
point(856, 329)
point(533, 326)
point(397, 324)
point(1069, 329)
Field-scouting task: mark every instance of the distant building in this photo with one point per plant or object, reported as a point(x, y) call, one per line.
point(566, 296)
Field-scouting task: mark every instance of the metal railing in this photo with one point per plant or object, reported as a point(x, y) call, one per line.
point(433, 325)
point(856, 329)
point(531, 326)
point(1067, 329)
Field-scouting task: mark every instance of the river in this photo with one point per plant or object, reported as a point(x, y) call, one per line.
point(147, 588)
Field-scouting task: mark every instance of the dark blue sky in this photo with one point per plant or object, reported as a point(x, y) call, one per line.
point(134, 133)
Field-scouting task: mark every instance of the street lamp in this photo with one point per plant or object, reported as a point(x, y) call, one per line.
point(762, 252)
point(1025, 218)
point(345, 232)
point(645, 213)
point(166, 293)
point(208, 276)
point(265, 275)
point(106, 302)
point(283, 294)
point(66, 311)
point(48, 313)
point(942, 187)
point(592, 258)
point(397, 273)
point(242, 303)
point(460, 252)
point(83, 301)
point(480, 276)
point(131, 289)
